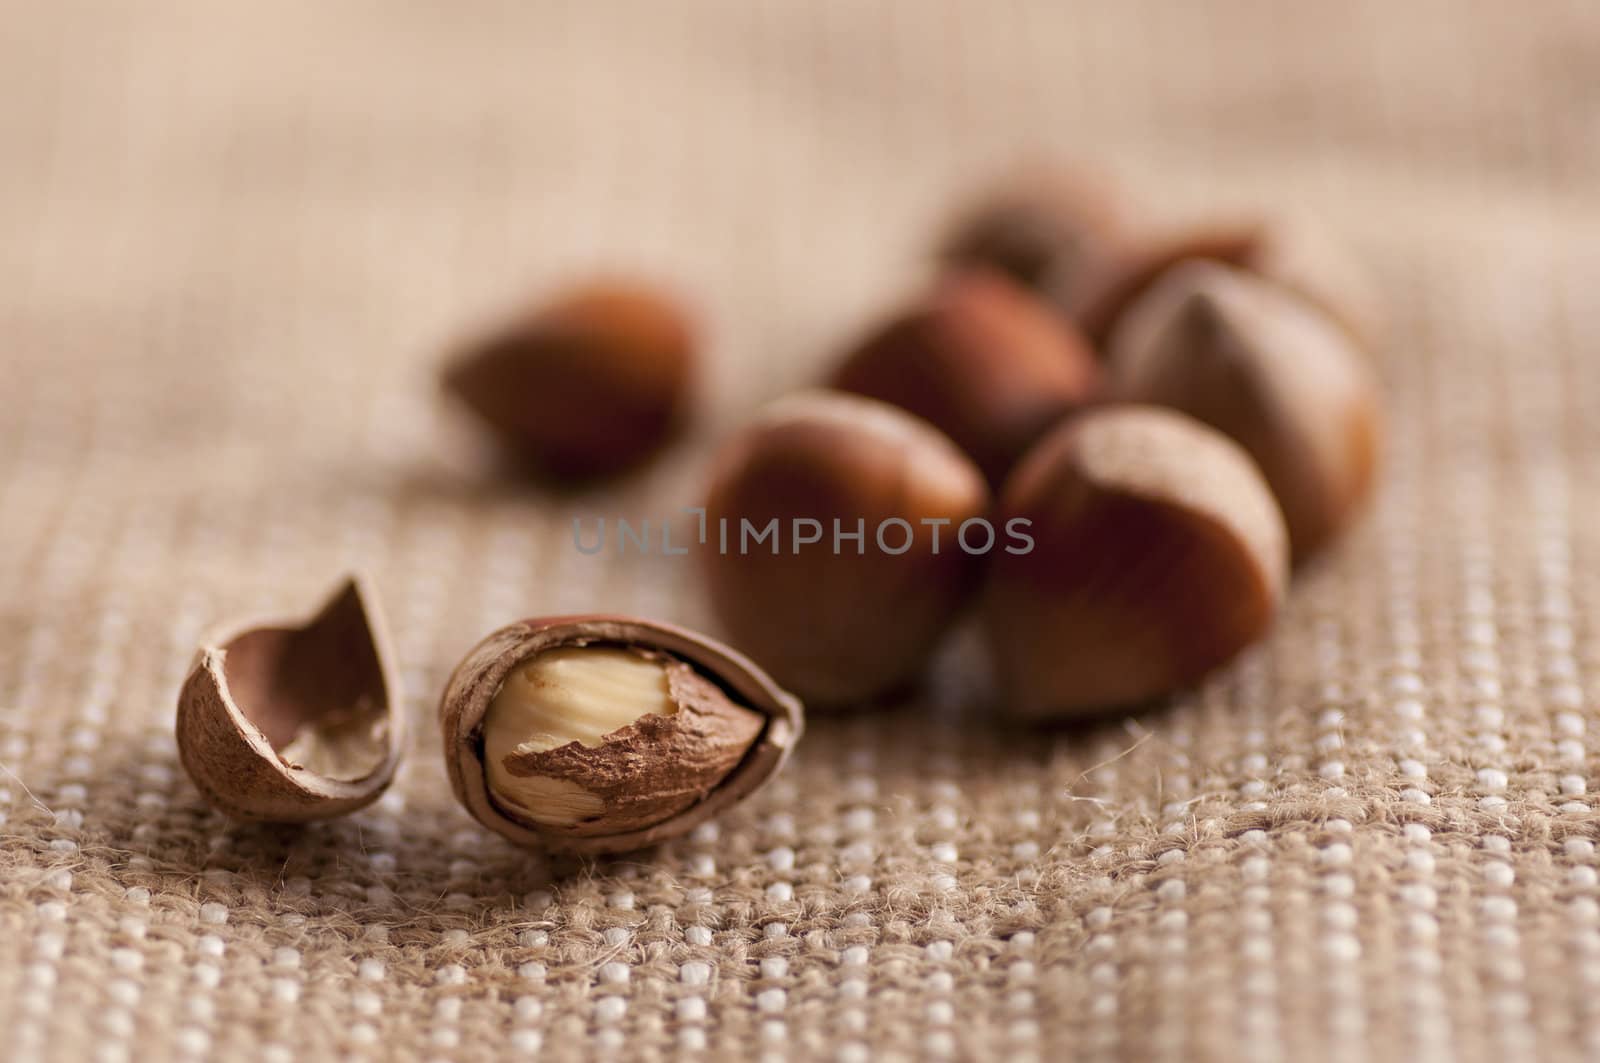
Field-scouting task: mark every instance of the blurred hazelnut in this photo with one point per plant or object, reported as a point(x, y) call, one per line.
point(1158, 555)
point(1046, 227)
point(589, 385)
point(1293, 253)
point(1272, 372)
point(984, 361)
point(841, 617)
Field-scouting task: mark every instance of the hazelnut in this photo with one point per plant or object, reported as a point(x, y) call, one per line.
point(867, 569)
point(1295, 254)
point(600, 734)
point(1158, 555)
point(982, 360)
point(589, 385)
point(1046, 227)
point(285, 723)
point(1269, 370)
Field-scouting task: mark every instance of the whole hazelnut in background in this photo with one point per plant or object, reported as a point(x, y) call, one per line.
point(1269, 370)
point(983, 360)
point(1045, 226)
point(588, 385)
point(1294, 253)
point(599, 734)
point(1158, 554)
point(1101, 300)
point(841, 618)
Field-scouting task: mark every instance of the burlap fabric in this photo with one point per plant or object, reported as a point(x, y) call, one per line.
point(233, 240)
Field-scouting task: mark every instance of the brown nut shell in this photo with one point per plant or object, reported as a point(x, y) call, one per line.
point(1158, 555)
point(1047, 227)
point(1097, 304)
point(1270, 371)
point(1293, 253)
point(479, 676)
point(841, 622)
point(981, 359)
point(588, 385)
point(287, 724)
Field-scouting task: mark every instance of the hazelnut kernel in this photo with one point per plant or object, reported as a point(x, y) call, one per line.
point(661, 737)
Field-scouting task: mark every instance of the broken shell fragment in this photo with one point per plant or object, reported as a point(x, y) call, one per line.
point(283, 723)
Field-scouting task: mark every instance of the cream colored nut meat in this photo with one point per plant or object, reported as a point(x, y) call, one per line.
point(596, 740)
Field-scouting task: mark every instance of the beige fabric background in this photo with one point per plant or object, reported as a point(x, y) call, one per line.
point(234, 239)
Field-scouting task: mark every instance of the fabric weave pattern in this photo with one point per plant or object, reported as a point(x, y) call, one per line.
point(237, 240)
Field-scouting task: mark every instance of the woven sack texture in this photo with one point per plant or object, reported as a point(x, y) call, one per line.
point(236, 240)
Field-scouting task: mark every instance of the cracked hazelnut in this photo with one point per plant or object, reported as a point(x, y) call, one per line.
point(980, 359)
point(603, 734)
point(589, 385)
point(288, 723)
point(1269, 370)
point(1158, 555)
point(840, 619)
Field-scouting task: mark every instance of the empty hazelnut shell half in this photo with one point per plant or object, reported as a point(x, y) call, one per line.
point(636, 732)
point(588, 385)
point(284, 723)
point(1158, 555)
point(981, 359)
point(1269, 370)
